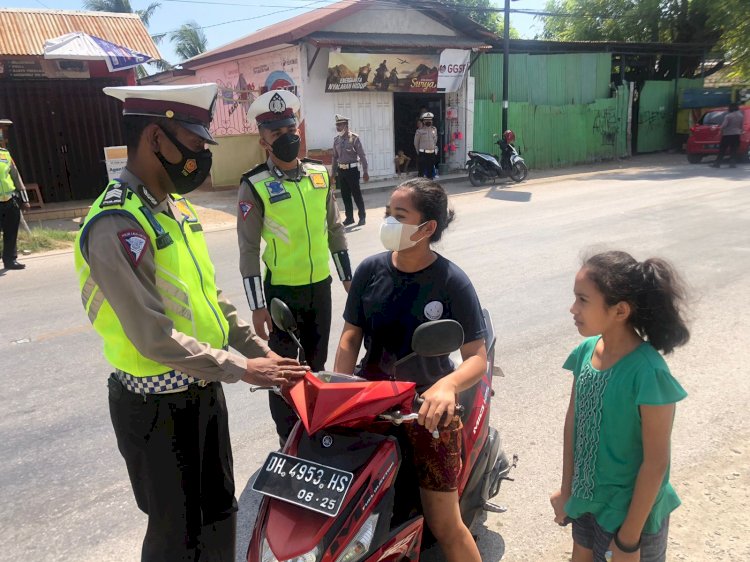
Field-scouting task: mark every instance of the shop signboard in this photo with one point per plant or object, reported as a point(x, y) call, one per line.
point(382, 72)
point(453, 66)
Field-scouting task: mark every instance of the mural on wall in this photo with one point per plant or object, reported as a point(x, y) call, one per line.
point(367, 72)
point(241, 81)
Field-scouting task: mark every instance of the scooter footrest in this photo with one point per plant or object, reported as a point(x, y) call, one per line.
point(494, 508)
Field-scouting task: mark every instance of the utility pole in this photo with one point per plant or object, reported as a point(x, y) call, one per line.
point(506, 58)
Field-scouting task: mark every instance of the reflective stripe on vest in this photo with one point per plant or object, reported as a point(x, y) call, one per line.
point(184, 280)
point(7, 187)
point(295, 226)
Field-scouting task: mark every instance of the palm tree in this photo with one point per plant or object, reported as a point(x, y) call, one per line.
point(189, 40)
point(121, 7)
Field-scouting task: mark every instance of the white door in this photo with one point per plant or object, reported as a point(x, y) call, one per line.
point(371, 115)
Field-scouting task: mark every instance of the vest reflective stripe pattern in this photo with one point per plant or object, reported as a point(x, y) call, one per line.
point(295, 227)
point(184, 279)
point(7, 187)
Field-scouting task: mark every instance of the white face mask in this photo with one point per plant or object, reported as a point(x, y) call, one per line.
point(396, 236)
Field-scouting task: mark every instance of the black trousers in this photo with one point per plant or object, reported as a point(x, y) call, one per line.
point(10, 219)
point(426, 165)
point(311, 306)
point(348, 182)
point(179, 459)
point(729, 144)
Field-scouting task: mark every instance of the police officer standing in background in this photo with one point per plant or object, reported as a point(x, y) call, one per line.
point(147, 285)
point(425, 143)
point(13, 197)
point(347, 148)
point(289, 203)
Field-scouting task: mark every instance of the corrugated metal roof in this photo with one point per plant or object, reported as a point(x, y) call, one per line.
point(25, 31)
point(392, 40)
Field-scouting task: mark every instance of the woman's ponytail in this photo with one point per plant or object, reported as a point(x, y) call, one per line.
point(658, 314)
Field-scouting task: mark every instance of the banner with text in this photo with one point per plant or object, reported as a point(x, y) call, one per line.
point(453, 66)
point(380, 72)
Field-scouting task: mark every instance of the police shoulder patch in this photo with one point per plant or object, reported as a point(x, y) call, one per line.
point(115, 195)
point(135, 242)
point(245, 208)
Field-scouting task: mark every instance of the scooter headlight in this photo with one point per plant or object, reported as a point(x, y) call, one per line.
point(361, 542)
point(266, 555)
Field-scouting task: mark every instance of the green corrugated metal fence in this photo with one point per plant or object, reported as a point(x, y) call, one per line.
point(545, 79)
point(551, 136)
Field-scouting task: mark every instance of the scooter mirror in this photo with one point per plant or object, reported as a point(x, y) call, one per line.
point(436, 338)
point(282, 316)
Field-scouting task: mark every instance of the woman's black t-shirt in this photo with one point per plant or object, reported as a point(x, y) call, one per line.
point(389, 304)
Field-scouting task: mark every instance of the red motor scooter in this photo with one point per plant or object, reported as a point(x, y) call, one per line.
point(338, 491)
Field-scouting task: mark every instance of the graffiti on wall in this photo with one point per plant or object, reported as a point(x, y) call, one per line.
point(606, 126)
point(242, 81)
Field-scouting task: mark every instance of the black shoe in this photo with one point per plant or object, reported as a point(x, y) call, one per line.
point(14, 265)
point(347, 222)
point(361, 222)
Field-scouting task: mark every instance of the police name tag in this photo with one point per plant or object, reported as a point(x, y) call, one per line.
point(318, 181)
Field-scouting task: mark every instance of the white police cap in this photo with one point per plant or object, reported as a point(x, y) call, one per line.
point(426, 116)
point(341, 119)
point(274, 109)
point(191, 105)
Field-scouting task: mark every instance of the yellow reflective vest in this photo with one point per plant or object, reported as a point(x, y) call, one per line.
point(184, 279)
point(295, 226)
point(7, 187)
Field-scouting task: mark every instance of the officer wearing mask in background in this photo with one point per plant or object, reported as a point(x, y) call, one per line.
point(289, 203)
point(13, 197)
point(347, 148)
point(425, 143)
point(148, 286)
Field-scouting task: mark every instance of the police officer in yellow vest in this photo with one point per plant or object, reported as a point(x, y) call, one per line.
point(289, 203)
point(148, 286)
point(13, 197)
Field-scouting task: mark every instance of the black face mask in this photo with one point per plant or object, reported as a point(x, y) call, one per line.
point(190, 172)
point(286, 147)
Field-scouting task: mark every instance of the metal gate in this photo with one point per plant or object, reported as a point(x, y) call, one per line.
point(60, 130)
point(656, 116)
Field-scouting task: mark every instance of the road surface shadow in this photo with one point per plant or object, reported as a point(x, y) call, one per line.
point(513, 196)
point(249, 501)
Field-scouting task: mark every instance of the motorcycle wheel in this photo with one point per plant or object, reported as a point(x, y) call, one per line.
point(476, 178)
point(519, 172)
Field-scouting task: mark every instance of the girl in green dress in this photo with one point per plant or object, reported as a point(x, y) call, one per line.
point(615, 480)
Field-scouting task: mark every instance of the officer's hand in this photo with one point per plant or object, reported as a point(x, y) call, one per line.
point(273, 371)
point(262, 322)
point(347, 285)
point(366, 177)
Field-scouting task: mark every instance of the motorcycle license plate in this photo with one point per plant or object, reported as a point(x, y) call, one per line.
point(304, 483)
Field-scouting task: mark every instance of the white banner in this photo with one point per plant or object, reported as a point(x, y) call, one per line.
point(453, 66)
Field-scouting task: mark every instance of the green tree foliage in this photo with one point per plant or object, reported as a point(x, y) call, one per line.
point(189, 40)
point(713, 23)
point(732, 18)
point(121, 7)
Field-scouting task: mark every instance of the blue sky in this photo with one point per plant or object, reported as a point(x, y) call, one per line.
point(220, 17)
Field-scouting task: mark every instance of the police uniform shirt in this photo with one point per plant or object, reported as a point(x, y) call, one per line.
point(250, 226)
point(425, 139)
point(132, 293)
point(346, 149)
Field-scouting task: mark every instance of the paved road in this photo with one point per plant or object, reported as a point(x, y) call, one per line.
point(63, 486)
